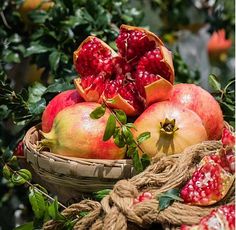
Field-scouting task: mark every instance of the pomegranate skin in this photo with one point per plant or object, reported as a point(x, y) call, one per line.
point(59, 102)
point(204, 104)
point(75, 134)
point(186, 129)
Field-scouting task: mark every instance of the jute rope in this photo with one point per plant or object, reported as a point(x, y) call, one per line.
point(117, 212)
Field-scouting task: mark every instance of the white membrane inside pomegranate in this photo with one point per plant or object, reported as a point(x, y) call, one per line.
point(125, 80)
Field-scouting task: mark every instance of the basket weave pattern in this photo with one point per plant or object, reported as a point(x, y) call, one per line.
point(83, 176)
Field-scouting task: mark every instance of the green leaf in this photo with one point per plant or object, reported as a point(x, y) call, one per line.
point(38, 17)
point(127, 134)
point(37, 202)
point(131, 150)
point(26, 226)
point(35, 92)
point(7, 154)
point(167, 198)
point(21, 176)
point(131, 126)
point(99, 195)
point(119, 140)
point(83, 213)
point(11, 57)
point(121, 116)
point(6, 172)
point(214, 84)
point(38, 107)
point(98, 112)
point(59, 87)
point(145, 160)
point(54, 59)
point(137, 162)
point(53, 211)
point(110, 128)
point(36, 49)
point(143, 136)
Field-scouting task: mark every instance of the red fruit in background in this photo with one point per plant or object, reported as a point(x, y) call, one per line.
point(208, 185)
point(140, 74)
point(19, 150)
point(58, 103)
point(76, 134)
point(203, 103)
point(222, 218)
point(172, 128)
point(218, 45)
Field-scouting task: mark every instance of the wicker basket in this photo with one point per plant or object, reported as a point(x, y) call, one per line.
point(71, 178)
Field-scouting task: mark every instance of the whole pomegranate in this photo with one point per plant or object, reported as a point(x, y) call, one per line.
point(172, 128)
point(29, 5)
point(203, 103)
point(76, 134)
point(208, 185)
point(140, 74)
point(218, 46)
point(222, 218)
point(59, 102)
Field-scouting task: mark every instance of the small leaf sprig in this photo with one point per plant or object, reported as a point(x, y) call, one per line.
point(123, 136)
point(43, 205)
point(225, 95)
point(167, 198)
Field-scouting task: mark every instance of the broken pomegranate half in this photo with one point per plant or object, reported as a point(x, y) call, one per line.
point(140, 74)
point(222, 218)
point(209, 184)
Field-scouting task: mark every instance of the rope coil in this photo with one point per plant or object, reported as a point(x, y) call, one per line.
point(116, 210)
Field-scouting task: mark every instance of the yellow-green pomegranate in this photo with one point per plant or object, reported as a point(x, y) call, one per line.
point(172, 128)
point(74, 133)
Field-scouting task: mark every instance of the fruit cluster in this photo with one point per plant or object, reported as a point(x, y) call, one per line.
point(139, 81)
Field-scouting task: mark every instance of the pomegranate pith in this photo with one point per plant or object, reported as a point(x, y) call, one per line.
point(141, 61)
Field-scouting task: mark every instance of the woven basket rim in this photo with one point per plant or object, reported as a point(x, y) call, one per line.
point(47, 163)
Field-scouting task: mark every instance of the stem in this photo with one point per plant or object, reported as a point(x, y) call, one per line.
point(4, 20)
point(139, 147)
point(31, 185)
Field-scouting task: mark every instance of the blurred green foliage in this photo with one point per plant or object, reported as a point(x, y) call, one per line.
point(48, 39)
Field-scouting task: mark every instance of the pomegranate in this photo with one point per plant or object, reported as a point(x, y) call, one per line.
point(75, 134)
point(59, 102)
point(208, 185)
point(19, 150)
point(228, 139)
point(142, 197)
point(29, 5)
point(140, 74)
point(222, 218)
point(203, 103)
point(172, 128)
point(218, 45)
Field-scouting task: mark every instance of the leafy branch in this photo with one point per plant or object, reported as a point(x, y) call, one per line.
point(43, 205)
point(123, 136)
point(225, 95)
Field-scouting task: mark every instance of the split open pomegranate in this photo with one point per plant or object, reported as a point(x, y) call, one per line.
point(140, 74)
